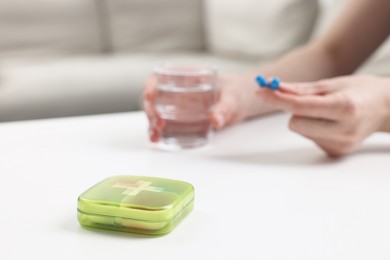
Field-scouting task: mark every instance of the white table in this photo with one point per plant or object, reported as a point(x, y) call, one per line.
point(262, 192)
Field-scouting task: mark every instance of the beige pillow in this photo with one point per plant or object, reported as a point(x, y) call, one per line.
point(259, 29)
point(155, 25)
point(47, 27)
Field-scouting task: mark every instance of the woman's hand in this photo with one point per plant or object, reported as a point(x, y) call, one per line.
point(236, 100)
point(337, 114)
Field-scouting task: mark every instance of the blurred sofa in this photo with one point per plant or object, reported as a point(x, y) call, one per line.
point(78, 57)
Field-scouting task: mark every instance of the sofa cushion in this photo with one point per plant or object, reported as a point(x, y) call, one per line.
point(258, 29)
point(46, 27)
point(150, 25)
point(85, 84)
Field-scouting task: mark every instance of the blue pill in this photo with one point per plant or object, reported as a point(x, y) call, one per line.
point(261, 81)
point(274, 84)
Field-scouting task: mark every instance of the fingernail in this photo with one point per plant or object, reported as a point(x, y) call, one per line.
point(148, 96)
point(154, 136)
point(218, 121)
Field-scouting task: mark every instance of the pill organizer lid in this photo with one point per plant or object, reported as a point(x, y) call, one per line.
point(137, 197)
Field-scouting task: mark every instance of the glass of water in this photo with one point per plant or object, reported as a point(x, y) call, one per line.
point(184, 100)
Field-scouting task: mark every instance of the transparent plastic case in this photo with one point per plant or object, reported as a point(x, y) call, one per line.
point(136, 204)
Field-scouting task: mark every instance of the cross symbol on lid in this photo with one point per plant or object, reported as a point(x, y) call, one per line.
point(133, 188)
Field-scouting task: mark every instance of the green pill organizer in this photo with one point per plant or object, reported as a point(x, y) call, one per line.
point(135, 204)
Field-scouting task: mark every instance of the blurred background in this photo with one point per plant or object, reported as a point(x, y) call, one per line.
point(78, 57)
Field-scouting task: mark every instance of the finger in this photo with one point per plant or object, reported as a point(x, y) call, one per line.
point(149, 110)
point(317, 128)
point(154, 117)
point(154, 135)
point(288, 88)
point(335, 148)
point(150, 88)
point(326, 107)
point(156, 123)
point(224, 111)
point(307, 88)
point(149, 96)
point(155, 129)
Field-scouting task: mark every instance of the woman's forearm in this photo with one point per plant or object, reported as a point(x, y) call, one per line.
point(360, 28)
point(308, 63)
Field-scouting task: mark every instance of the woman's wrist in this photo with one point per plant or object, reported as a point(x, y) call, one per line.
point(255, 106)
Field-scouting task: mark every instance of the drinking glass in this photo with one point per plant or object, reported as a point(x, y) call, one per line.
point(184, 100)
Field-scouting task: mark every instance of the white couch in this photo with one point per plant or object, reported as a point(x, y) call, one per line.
point(78, 57)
